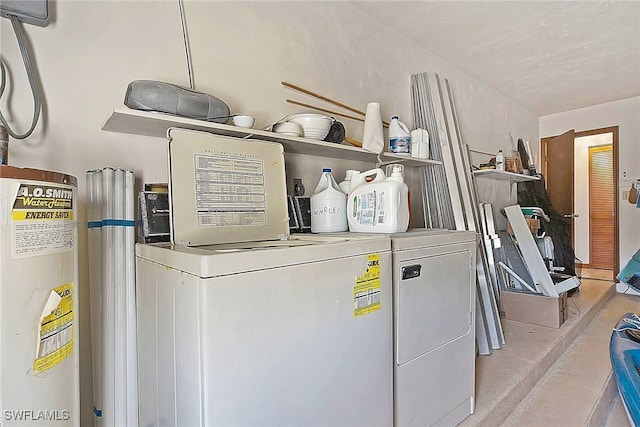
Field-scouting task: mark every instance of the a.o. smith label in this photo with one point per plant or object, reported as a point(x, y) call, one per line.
point(42, 220)
point(43, 197)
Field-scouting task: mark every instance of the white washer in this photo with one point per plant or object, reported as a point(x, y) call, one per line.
point(241, 324)
point(294, 332)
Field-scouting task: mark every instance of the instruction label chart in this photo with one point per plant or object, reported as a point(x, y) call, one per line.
point(230, 191)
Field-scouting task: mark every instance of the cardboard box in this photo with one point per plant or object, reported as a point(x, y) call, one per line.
point(533, 223)
point(513, 164)
point(535, 309)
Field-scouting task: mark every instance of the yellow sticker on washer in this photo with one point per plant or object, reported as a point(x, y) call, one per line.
point(55, 329)
point(366, 290)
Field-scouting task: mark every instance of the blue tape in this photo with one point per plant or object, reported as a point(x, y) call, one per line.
point(94, 224)
point(118, 223)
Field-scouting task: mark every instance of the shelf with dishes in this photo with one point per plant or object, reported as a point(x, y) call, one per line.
point(126, 120)
point(504, 175)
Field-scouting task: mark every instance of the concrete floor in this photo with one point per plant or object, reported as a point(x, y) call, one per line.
point(570, 391)
point(597, 274)
point(617, 417)
point(556, 377)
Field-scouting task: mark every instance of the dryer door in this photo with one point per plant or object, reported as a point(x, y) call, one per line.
point(433, 302)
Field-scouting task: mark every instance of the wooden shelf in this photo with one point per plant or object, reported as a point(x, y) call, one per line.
point(504, 176)
point(137, 122)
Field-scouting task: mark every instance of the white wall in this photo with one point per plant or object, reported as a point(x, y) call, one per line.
point(241, 52)
point(626, 115)
point(581, 191)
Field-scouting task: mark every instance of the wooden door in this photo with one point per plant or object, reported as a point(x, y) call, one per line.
point(601, 207)
point(557, 168)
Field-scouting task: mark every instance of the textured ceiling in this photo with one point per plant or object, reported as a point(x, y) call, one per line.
point(548, 56)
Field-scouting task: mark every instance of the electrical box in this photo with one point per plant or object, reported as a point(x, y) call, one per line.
point(34, 12)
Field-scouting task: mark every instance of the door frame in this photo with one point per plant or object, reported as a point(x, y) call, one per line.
point(614, 130)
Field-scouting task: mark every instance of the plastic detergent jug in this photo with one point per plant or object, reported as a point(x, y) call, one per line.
point(346, 184)
point(378, 204)
point(420, 143)
point(395, 172)
point(399, 137)
point(328, 206)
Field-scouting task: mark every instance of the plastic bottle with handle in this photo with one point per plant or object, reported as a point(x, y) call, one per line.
point(328, 206)
point(377, 204)
point(399, 137)
point(345, 185)
point(395, 173)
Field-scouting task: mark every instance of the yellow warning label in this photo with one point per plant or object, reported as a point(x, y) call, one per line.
point(366, 290)
point(55, 331)
point(24, 215)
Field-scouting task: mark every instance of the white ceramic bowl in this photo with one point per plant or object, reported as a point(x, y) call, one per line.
point(314, 126)
point(244, 121)
point(288, 128)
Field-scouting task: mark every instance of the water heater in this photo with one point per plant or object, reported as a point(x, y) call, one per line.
point(39, 376)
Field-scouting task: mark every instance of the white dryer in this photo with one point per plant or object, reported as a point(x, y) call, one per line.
point(434, 291)
point(434, 327)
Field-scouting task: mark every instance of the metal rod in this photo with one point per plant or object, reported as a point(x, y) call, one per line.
point(185, 38)
point(447, 158)
point(119, 298)
point(130, 300)
point(107, 304)
point(482, 336)
point(94, 239)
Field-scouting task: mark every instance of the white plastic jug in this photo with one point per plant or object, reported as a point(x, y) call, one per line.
point(377, 204)
point(370, 176)
point(328, 206)
point(395, 172)
point(420, 143)
point(399, 137)
point(345, 185)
